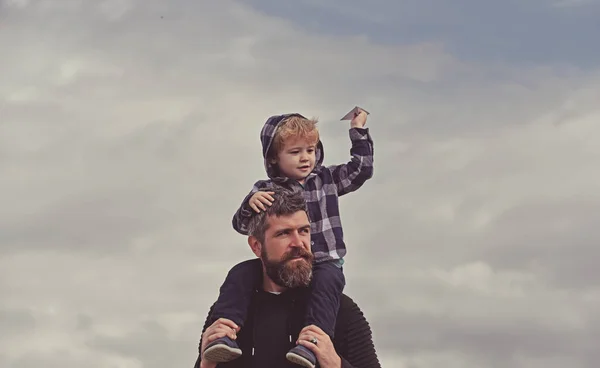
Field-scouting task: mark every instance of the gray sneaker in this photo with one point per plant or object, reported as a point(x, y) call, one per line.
point(302, 356)
point(222, 350)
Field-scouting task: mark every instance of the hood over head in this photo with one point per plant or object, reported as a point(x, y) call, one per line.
point(267, 135)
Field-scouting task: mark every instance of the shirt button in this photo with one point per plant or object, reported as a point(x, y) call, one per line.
point(312, 243)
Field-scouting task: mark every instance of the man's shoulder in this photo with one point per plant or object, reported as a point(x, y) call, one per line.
point(351, 321)
point(349, 309)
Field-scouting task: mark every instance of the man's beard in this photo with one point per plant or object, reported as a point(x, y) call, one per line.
point(288, 273)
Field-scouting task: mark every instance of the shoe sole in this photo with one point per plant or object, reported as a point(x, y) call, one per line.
point(221, 353)
point(297, 359)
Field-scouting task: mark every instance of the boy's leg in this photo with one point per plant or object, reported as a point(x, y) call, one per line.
point(324, 301)
point(233, 302)
point(236, 292)
point(323, 304)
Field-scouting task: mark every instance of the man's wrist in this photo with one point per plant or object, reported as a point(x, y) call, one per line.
point(205, 364)
point(339, 362)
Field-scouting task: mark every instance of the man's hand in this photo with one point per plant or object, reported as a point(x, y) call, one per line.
point(259, 199)
point(220, 328)
point(359, 120)
point(323, 350)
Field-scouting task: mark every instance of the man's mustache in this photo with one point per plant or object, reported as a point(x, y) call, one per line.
point(297, 252)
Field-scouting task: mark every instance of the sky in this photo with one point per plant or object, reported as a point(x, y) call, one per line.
point(129, 134)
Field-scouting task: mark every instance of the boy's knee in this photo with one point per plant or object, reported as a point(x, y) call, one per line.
point(330, 277)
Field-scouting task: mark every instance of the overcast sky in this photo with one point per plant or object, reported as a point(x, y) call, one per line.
point(129, 134)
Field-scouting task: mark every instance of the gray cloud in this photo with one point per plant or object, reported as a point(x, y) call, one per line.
point(541, 31)
point(16, 321)
point(142, 344)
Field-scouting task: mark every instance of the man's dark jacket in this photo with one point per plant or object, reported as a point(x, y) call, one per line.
point(274, 323)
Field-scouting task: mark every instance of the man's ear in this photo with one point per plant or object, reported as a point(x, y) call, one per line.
point(255, 245)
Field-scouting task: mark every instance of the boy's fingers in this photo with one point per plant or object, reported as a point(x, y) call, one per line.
point(253, 206)
point(266, 195)
point(265, 200)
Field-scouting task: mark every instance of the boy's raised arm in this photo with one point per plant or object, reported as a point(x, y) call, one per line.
point(352, 175)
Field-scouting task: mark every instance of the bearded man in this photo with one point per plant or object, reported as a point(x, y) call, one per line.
point(280, 238)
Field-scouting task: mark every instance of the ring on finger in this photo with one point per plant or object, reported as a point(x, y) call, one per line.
point(314, 340)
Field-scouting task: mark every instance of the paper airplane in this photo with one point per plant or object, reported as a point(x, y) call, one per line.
point(353, 113)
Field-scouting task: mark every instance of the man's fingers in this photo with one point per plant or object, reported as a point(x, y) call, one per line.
point(309, 335)
point(219, 332)
point(309, 332)
point(214, 336)
point(309, 345)
point(227, 322)
point(225, 331)
point(313, 329)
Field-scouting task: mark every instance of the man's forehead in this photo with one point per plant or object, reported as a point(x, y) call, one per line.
point(295, 220)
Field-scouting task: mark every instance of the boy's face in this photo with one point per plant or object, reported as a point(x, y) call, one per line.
point(297, 159)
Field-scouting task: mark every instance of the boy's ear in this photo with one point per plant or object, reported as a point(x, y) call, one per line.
point(255, 246)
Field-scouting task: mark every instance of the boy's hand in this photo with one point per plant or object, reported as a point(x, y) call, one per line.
point(259, 199)
point(359, 120)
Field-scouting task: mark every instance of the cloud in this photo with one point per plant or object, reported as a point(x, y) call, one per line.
point(572, 3)
point(518, 32)
point(129, 136)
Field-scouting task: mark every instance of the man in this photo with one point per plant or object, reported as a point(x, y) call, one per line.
point(280, 238)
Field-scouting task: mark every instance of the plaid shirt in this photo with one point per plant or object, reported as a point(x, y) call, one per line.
point(321, 189)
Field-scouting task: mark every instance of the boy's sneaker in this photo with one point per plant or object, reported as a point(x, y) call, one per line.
point(222, 350)
point(302, 356)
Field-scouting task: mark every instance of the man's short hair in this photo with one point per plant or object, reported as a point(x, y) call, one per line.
point(286, 203)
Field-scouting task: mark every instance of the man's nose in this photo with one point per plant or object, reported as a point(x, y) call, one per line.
point(296, 240)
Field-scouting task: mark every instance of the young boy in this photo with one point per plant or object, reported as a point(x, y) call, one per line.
point(293, 156)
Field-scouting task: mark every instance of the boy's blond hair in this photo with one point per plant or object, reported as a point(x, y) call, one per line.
point(294, 127)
